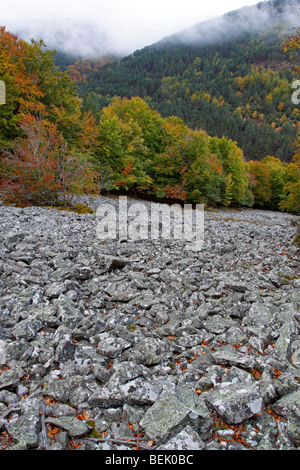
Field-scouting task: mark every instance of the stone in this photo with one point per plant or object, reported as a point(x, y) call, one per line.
point(287, 335)
point(151, 349)
point(288, 405)
point(26, 427)
point(110, 346)
point(105, 336)
point(134, 392)
point(235, 403)
point(187, 439)
point(167, 416)
point(228, 356)
point(73, 426)
point(82, 273)
point(27, 329)
point(259, 314)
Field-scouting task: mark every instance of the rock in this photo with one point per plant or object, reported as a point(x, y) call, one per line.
point(151, 349)
point(287, 335)
point(228, 356)
point(259, 315)
point(65, 351)
point(187, 439)
point(26, 427)
point(134, 392)
point(27, 329)
point(58, 410)
point(236, 402)
point(73, 426)
point(54, 290)
point(82, 273)
point(217, 324)
point(167, 416)
point(288, 405)
point(110, 346)
point(109, 336)
point(173, 411)
point(267, 388)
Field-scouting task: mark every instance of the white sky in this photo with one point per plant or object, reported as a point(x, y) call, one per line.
point(128, 24)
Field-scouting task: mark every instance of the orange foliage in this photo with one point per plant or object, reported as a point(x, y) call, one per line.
point(39, 170)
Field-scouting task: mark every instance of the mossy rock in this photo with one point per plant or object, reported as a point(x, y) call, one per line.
point(78, 208)
point(297, 238)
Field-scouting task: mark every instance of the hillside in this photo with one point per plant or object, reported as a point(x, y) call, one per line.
point(211, 124)
point(229, 76)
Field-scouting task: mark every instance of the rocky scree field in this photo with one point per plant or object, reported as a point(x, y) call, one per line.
point(118, 345)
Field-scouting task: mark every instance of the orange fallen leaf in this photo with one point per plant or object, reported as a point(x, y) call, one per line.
point(75, 446)
point(83, 416)
point(277, 373)
point(49, 401)
point(52, 432)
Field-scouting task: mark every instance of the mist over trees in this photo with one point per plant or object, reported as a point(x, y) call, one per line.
point(183, 123)
point(229, 76)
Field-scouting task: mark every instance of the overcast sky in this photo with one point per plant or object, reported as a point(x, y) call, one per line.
point(127, 24)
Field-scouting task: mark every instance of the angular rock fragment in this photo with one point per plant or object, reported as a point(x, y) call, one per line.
point(73, 426)
point(236, 402)
point(134, 392)
point(228, 356)
point(187, 439)
point(173, 411)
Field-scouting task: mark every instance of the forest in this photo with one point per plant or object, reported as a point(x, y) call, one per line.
point(165, 134)
point(238, 87)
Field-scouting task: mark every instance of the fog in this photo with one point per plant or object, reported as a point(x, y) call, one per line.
point(251, 19)
point(95, 28)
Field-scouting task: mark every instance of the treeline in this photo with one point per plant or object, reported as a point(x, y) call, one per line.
point(53, 147)
point(239, 88)
point(143, 151)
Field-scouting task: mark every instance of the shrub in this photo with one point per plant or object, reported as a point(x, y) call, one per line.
point(40, 170)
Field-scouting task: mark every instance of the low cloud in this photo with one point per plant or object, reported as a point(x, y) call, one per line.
point(123, 33)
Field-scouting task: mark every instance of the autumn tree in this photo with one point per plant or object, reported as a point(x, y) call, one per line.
point(35, 84)
point(260, 183)
point(40, 169)
point(233, 164)
point(278, 179)
point(291, 190)
point(291, 201)
point(22, 86)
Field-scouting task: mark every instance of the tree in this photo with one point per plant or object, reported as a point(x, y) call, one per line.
point(22, 85)
point(35, 85)
point(260, 183)
point(233, 163)
point(291, 201)
point(291, 190)
point(278, 178)
point(293, 42)
point(40, 169)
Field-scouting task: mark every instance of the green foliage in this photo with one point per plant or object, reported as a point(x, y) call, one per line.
point(179, 129)
point(297, 237)
point(238, 88)
point(164, 157)
point(41, 169)
point(76, 207)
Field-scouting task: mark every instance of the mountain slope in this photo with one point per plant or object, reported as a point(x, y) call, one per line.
point(229, 76)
